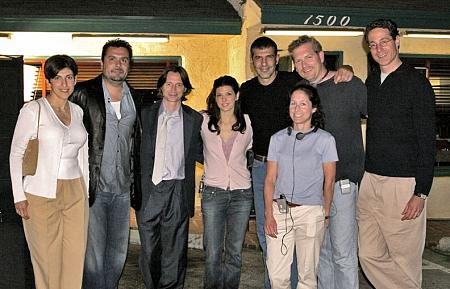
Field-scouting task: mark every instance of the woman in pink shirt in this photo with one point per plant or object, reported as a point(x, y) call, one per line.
point(227, 196)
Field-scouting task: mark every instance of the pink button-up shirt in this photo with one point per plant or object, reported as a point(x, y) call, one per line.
point(218, 172)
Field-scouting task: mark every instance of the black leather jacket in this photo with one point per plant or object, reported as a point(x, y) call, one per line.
point(89, 95)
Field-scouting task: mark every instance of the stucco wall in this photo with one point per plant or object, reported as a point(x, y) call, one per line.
point(204, 57)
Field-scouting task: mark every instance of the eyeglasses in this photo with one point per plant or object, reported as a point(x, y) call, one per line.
point(383, 43)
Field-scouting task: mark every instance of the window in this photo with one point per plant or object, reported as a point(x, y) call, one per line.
point(437, 71)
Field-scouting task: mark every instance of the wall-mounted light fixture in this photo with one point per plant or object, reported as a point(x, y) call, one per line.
point(312, 32)
point(427, 34)
point(86, 37)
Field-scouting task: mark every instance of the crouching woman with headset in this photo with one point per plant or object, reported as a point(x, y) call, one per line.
point(298, 191)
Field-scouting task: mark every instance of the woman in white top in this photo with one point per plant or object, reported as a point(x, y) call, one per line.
point(53, 202)
point(227, 196)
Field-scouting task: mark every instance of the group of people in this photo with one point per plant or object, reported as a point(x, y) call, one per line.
point(319, 198)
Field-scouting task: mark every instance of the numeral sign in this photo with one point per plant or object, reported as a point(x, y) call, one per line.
point(323, 20)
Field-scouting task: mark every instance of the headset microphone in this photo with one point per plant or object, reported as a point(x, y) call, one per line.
point(300, 135)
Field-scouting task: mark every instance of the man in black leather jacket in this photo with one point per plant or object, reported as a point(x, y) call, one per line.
point(111, 119)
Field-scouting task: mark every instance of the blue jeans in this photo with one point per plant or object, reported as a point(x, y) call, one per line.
point(108, 232)
point(338, 265)
point(225, 219)
point(258, 177)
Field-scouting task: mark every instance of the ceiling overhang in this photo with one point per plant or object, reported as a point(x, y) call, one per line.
point(106, 16)
point(324, 14)
point(121, 24)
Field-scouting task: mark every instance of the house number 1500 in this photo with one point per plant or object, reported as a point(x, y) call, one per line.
point(318, 20)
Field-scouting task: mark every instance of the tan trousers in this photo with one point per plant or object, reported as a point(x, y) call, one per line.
point(390, 250)
point(56, 234)
point(305, 234)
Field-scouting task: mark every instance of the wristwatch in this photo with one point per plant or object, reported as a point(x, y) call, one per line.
point(422, 196)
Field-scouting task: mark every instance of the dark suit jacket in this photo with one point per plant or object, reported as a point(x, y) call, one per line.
point(89, 96)
point(192, 121)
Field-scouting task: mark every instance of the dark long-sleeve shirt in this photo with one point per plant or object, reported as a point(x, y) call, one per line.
point(401, 130)
point(343, 105)
point(267, 107)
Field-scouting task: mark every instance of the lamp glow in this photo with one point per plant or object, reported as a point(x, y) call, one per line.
point(427, 35)
point(136, 38)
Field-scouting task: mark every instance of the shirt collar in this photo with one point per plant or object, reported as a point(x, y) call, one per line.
point(163, 111)
point(125, 90)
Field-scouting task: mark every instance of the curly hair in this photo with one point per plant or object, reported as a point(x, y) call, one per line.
point(382, 23)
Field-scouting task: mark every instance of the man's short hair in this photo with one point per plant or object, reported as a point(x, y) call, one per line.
point(262, 43)
point(382, 23)
point(117, 43)
point(184, 78)
point(303, 40)
point(54, 64)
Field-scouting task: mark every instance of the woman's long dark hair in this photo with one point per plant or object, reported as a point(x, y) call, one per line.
point(318, 117)
point(213, 110)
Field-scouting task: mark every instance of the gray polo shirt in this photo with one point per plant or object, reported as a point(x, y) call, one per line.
point(300, 172)
point(115, 173)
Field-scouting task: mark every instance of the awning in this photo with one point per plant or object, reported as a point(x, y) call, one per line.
point(408, 14)
point(138, 16)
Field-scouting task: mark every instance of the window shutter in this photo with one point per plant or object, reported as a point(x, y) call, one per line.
point(143, 75)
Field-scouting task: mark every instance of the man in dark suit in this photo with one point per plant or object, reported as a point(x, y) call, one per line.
point(169, 147)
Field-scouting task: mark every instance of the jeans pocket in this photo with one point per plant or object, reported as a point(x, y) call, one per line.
point(208, 194)
point(247, 194)
point(257, 164)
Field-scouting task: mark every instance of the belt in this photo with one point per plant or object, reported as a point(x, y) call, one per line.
point(260, 158)
point(290, 205)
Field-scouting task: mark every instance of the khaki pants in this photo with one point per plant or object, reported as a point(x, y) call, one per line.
point(305, 235)
point(56, 235)
point(390, 250)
